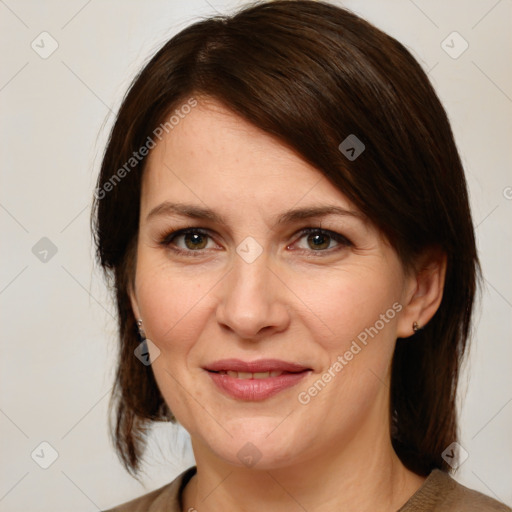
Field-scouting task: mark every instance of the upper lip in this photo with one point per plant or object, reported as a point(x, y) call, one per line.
point(261, 365)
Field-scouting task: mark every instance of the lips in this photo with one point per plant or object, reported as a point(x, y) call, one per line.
point(255, 380)
point(254, 367)
point(249, 375)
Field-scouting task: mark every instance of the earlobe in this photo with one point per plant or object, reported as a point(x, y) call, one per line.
point(424, 293)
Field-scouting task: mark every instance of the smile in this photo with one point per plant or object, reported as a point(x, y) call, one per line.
point(257, 386)
point(249, 375)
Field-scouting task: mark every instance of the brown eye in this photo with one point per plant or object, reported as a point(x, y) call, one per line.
point(194, 241)
point(321, 240)
point(318, 241)
point(188, 240)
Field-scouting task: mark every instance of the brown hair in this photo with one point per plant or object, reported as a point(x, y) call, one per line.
point(310, 74)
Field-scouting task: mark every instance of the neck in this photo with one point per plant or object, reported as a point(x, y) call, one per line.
point(365, 476)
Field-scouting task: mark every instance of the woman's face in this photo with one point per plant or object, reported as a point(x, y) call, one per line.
point(277, 264)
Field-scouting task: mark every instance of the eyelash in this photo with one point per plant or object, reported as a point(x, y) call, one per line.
point(167, 238)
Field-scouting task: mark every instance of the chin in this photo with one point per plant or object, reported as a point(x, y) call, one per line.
point(264, 449)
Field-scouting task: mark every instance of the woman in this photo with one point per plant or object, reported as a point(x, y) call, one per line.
point(284, 213)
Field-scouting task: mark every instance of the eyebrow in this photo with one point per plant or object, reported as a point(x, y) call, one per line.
point(203, 213)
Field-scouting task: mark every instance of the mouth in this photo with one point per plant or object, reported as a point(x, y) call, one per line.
point(256, 380)
point(259, 367)
point(249, 375)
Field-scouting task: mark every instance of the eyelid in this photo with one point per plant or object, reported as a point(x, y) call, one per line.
point(168, 237)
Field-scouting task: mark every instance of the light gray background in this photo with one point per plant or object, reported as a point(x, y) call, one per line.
point(57, 324)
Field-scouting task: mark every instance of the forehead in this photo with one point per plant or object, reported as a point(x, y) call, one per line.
point(215, 157)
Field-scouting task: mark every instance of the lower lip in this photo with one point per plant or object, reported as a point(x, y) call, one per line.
point(256, 389)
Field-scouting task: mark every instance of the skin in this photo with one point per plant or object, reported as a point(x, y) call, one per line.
point(294, 303)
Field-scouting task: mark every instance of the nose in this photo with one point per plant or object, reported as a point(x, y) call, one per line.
point(252, 302)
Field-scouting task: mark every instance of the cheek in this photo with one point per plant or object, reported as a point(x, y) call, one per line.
point(353, 302)
point(174, 302)
point(175, 306)
point(360, 310)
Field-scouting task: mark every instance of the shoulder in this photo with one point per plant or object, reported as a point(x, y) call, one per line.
point(164, 499)
point(441, 493)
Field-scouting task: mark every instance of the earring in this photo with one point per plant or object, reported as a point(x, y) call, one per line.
point(147, 351)
point(416, 327)
point(142, 350)
point(142, 334)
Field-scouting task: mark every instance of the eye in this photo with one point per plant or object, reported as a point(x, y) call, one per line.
point(196, 240)
point(187, 240)
point(321, 240)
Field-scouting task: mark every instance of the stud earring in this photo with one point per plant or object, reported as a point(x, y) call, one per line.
point(416, 327)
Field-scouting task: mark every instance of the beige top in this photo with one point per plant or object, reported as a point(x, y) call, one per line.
point(439, 493)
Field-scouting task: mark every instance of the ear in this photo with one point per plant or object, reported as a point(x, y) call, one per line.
point(423, 291)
